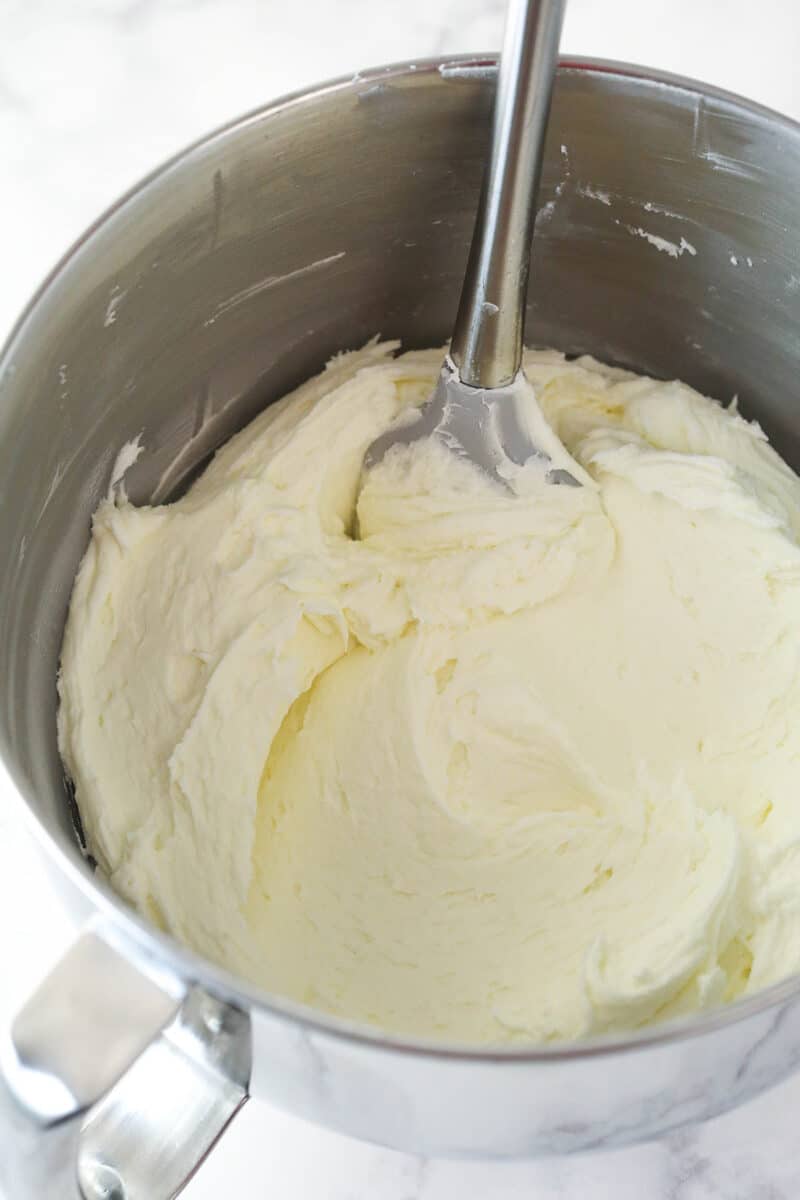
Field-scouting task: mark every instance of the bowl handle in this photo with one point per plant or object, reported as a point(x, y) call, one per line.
point(115, 1081)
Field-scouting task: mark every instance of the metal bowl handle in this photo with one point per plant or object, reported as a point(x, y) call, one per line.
point(115, 1081)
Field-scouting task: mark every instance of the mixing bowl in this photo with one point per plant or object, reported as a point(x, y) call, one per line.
point(668, 239)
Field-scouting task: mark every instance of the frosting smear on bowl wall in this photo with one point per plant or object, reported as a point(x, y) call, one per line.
point(457, 761)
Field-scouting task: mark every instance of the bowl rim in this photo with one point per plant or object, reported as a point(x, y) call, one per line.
point(158, 953)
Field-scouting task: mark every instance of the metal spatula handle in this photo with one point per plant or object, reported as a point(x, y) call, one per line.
point(487, 339)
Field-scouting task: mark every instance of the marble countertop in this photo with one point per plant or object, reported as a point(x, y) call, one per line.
point(93, 93)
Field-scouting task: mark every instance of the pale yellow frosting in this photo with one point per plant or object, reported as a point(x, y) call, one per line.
point(460, 763)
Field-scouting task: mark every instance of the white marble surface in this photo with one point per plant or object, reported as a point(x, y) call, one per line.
point(95, 92)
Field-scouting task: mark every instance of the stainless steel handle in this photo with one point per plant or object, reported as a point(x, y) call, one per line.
point(115, 1082)
point(487, 339)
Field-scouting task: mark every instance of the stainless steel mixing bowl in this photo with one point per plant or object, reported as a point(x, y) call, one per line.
point(668, 239)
